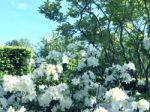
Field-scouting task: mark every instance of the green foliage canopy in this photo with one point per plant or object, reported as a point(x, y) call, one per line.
point(118, 25)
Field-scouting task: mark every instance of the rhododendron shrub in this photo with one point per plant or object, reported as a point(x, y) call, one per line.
point(70, 81)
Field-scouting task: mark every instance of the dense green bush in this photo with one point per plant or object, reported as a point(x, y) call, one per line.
point(15, 60)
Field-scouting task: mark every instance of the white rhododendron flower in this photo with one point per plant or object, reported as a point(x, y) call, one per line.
point(55, 76)
point(116, 94)
point(78, 95)
point(134, 105)
point(53, 93)
point(51, 69)
point(92, 50)
point(22, 109)
point(143, 104)
point(59, 68)
point(22, 84)
point(54, 70)
point(65, 59)
point(55, 108)
point(65, 103)
point(11, 109)
point(118, 73)
point(42, 87)
point(130, 66)
point(100, 109)
point(44, 99)
point(110, 78)
point(10, 82)
point(92, 75)
point(90, 101)
point(83, 53)
point(92, 61)
point(55, 55)
point(75, 81)
point(81, 65)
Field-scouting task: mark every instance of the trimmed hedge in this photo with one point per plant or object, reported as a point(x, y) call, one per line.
point(14, 60)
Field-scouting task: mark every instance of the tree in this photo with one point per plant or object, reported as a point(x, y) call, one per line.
point(24, 42)
point(118, 25)
point(13, 43)
point(54, 42)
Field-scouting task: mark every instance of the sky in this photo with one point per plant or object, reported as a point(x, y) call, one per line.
point(21, 19)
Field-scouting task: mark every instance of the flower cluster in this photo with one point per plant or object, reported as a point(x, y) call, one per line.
point(48, 70)
point(23, 84)
point(55, 55)
point(120, 101)
point(85, 84)
point(11, 109)
point(118, 73)
point(56, 93)
point(70, 81)
point(89, 57)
